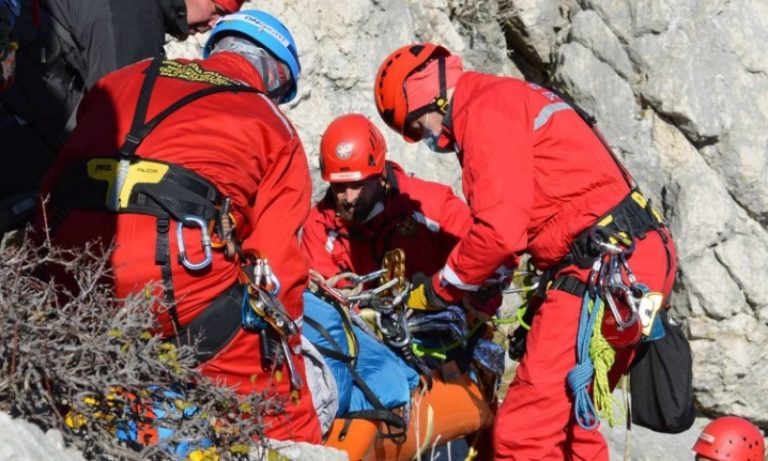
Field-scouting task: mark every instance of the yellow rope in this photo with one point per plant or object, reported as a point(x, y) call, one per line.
point(603, 356)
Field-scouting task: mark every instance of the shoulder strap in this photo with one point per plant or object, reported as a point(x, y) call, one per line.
point(140, 130)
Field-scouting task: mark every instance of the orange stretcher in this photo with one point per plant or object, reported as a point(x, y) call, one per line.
point(453, 408)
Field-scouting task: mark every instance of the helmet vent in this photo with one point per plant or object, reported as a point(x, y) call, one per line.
point(416, 49)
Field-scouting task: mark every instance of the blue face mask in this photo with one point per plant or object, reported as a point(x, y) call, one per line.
point(430, 139)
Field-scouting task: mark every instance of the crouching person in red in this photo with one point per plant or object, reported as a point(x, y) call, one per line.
point(179, 163)
point(538, 179)
point(372, 206)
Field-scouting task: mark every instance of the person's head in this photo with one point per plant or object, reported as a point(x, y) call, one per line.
point(412, 91)
point(352, 156)
point(203, 14)
point(730, 438)
point(266, 43)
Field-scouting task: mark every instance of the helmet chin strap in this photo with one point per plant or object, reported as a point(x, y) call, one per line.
point(441, 101)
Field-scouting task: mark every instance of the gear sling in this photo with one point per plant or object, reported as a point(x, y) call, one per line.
point(130, 184)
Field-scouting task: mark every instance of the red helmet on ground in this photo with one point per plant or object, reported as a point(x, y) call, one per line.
point(389, 87)
point(731, 438)
point(351, 149)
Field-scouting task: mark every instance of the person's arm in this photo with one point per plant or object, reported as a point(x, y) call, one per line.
point(497, 176)
point(281, 206)
point(455, 219)
point(319, 244)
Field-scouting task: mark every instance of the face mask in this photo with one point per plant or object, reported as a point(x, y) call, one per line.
point(430, 139)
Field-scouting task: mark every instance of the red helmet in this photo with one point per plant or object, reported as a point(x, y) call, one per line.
point(731, 438)
point(389, 89)
point(231, 5)
point(351, 149)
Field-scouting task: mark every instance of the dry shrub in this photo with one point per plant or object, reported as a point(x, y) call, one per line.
point(79, 355)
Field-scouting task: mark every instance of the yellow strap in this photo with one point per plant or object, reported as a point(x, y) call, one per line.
point(142, 172)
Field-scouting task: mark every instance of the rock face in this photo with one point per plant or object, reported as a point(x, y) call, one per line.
point(680, 90)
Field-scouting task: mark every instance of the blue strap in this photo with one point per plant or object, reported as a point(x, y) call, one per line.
point(580, 377)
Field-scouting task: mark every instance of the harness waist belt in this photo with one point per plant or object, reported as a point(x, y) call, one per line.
point(632, 218)
point(140, 186)
point(569, 284)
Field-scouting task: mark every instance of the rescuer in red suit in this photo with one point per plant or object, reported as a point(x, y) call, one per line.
point(538, 179)
point(372, 206)
point(221, 156)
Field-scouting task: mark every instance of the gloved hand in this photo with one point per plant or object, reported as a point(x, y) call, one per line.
point(486, 300)
point(423, 296)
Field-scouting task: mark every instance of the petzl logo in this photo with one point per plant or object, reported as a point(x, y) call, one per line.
point(344, 151)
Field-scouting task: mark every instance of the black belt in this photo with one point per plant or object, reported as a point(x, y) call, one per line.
point(629, 220)
point(569, 284)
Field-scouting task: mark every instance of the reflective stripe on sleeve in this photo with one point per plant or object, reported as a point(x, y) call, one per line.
point(428, 223)
point(547, 111)
point(448, 275)
point(329, 242)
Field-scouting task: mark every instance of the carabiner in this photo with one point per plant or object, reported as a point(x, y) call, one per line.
point(194, 221)
point(620, 322)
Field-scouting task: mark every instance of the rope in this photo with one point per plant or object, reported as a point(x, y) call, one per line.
point(580, 377)
point(603, 355)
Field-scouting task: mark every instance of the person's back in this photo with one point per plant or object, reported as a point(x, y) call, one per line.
point(191, 138)
point(156, 189)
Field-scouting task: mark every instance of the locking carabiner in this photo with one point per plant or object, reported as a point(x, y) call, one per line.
point(194, 221)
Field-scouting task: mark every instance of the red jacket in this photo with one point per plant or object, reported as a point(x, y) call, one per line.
point(533, 172)
point(423, 218)
point(240, 142)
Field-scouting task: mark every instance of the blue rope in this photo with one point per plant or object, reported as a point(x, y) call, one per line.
point(580, 377)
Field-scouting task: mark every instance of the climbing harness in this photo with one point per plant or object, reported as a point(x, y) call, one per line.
point(129, 183)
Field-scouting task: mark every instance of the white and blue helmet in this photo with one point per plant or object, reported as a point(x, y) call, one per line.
point(265, 30)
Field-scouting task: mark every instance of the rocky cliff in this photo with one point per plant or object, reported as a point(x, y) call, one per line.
point(680, 90)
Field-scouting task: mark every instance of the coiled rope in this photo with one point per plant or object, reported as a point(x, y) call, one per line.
point(580, 377)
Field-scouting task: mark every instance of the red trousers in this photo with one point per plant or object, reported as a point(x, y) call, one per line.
point(535, 421)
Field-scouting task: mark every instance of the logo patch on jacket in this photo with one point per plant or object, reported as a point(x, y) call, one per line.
point(192, 72)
